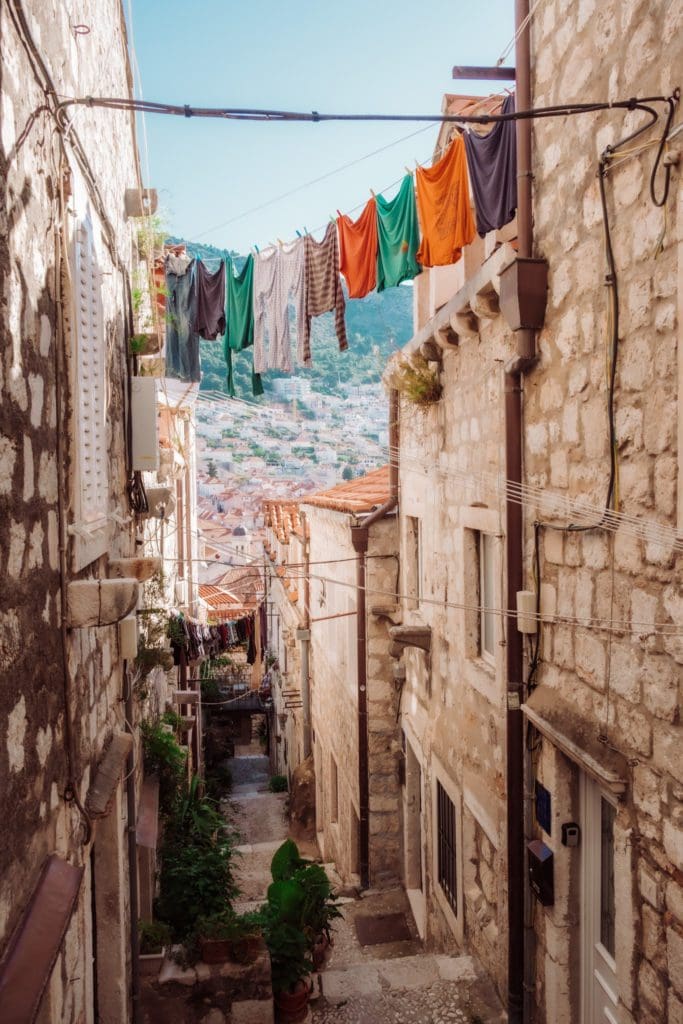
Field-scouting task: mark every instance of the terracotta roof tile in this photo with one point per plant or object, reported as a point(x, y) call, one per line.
point(359, 495)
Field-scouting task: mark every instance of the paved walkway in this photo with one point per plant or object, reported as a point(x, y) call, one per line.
point(391, 983)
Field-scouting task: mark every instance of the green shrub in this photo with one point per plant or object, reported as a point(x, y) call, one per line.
point(196, 878)
point(278, 784)
point(163, 756)
point(155, 936)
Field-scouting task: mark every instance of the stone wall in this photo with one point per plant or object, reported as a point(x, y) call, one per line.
point(624, 684)
point(334, 696)
point(34, 472)
point(452, 706)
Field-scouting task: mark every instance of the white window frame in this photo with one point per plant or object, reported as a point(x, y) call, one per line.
point(487, 596)
point(90, 528)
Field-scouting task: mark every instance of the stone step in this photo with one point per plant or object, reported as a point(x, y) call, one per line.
point(399, 974)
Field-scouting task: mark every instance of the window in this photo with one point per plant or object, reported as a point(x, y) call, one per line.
point(334, 790)
point(413, 561)
point(446, 847)
point(487, 619)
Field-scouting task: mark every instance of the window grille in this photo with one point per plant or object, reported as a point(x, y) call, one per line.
point(446, 846)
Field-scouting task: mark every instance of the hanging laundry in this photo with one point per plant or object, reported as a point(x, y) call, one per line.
point(278, 278)
point(239, 329)
point(443, 203)
point(358, 250)
point(492, 163)
point(182, 342)
point(397, 237)
point(209, 314)
point(323, 288)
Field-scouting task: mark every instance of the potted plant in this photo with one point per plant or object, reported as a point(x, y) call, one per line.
point(155, 939)
point(229, 936)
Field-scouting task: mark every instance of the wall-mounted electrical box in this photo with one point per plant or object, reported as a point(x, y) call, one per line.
point(144, 423)
point(541, 862)
point(571, 834)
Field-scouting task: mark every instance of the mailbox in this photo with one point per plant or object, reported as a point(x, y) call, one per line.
point(541, 872)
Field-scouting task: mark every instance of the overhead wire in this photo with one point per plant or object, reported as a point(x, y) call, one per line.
point(667, 629)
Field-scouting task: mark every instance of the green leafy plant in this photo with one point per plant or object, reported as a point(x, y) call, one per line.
point(414, 378)
point(300, 907)
point(163, 756)
point(155, 936)
point(278, 784)
point(196, 878)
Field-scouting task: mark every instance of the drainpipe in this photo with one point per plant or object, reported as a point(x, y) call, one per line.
point(304, 636)
point(526, 357)
point(132, 855)
point(359, 539)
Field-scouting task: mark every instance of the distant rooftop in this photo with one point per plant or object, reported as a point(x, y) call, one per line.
point(359, 495)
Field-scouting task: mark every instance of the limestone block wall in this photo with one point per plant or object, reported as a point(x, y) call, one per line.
point(386, 840)
point(452, 705)
point(334, 706)
point(33, 742)
point(625, 683)
point(334, 695)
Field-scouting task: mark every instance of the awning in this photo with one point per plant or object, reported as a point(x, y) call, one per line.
point(27, 965)
point(578, 740)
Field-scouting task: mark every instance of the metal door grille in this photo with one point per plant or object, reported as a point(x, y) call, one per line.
point(446, 846)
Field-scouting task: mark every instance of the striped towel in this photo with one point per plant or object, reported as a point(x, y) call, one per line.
point(323, 288)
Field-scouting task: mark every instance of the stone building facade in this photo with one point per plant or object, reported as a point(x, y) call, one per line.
point(601, 691)
point(286, 546)
point(73, 548)
point(327, 588)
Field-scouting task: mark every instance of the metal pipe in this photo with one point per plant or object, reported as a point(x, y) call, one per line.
point(304, 638)
point(132, 855)
point(359, 539)
point(514, 650)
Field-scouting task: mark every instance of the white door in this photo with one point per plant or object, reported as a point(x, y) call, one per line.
point(599, 981)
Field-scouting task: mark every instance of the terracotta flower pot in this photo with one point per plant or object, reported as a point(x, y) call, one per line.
point(292, 1006)
point(320, 952)
point(215, 951)
point(246, 949)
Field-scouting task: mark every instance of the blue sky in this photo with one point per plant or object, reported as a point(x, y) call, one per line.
point(351, 57)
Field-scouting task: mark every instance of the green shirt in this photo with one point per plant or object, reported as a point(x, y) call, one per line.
point(239, 327)
point(398, 237)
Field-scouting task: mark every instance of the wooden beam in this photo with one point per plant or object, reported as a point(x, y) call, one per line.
point(483, 74)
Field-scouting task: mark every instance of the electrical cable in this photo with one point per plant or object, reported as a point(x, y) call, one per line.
point(308, 184)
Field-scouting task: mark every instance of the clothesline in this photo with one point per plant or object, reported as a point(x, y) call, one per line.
point(426, 224)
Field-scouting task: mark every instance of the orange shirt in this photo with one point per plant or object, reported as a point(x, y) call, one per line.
point(358, 250)
point(443, 206)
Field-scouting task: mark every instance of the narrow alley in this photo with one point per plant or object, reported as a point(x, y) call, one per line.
point(387, 979)
point(341, 512)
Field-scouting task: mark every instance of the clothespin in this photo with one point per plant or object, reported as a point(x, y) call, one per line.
point(407, 169)
point(332, 220)
point(280, 242)
point(373, 194)
point(298, 233)
point(306, 231)
point(340, 214)
point(257, 248)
